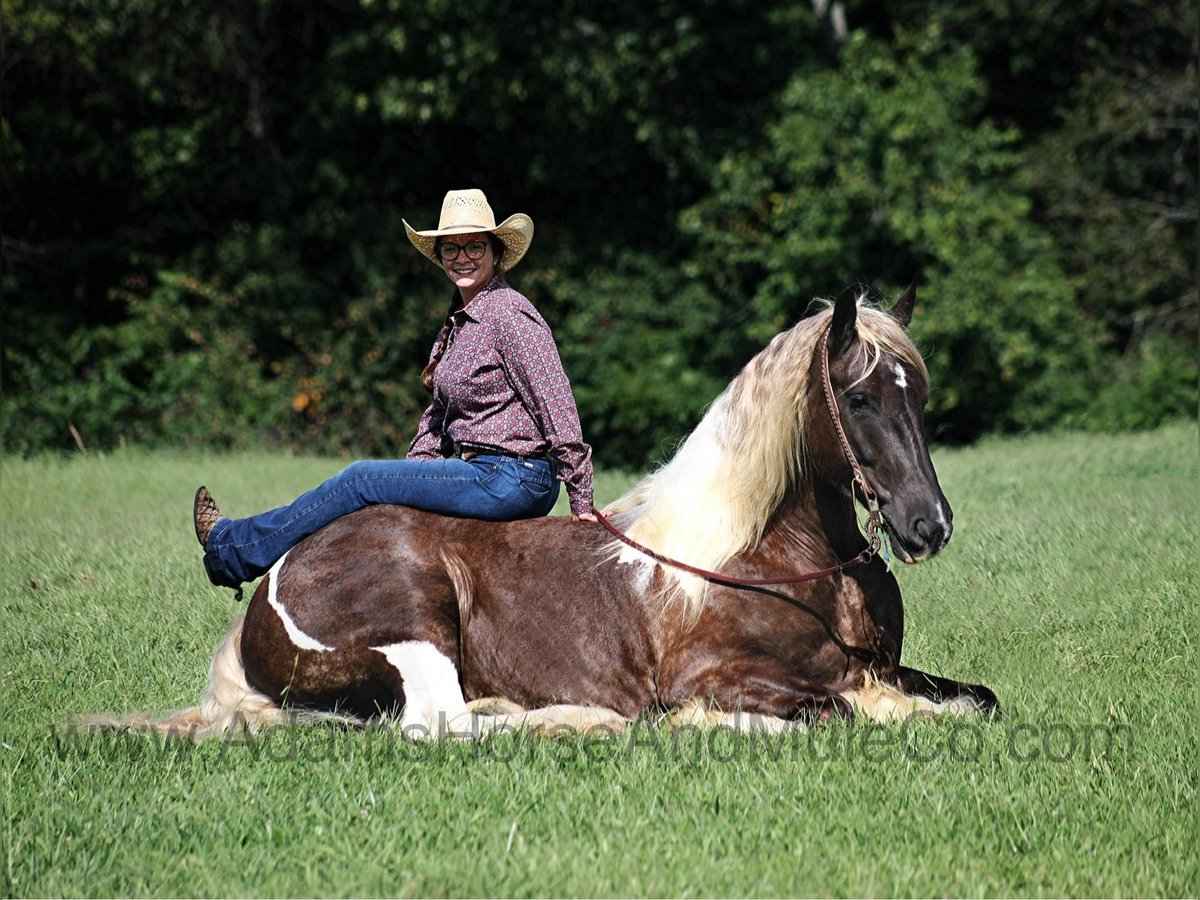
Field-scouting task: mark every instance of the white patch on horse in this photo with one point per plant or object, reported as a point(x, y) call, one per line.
point(941, 517)
point(643, 577)
point(298, 637)
point(432, 694)
point(901, 381)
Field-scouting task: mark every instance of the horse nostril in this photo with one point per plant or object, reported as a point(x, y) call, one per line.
point(932, 533)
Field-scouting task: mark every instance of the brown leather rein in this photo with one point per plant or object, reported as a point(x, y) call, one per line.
point(873, 527)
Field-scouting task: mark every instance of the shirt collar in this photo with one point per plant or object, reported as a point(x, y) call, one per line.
point(485, 298)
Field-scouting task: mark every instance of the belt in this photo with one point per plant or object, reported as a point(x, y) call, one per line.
point(467, 452)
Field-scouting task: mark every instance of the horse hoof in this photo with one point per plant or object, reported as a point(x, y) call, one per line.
point(989, 703)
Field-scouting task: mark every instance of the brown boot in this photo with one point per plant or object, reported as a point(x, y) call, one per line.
point(205, 514)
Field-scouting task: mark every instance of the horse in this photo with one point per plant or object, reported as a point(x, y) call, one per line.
point(736, 579)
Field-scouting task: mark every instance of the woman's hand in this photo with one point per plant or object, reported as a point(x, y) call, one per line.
point(590, 517)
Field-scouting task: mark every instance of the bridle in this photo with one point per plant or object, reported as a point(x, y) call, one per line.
point(873, 526)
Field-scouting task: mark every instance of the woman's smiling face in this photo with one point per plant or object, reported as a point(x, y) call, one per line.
point(469, 275)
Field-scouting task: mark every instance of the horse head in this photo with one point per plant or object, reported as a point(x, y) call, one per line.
point(880, 386)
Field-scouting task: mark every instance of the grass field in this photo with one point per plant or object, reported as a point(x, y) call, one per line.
point(1070, 588)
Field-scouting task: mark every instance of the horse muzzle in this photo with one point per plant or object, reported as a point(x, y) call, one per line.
point(917, 537)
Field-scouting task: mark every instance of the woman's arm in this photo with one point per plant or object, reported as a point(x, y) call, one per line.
point(428, 442)
point(536, 373)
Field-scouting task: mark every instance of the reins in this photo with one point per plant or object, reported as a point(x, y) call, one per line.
point(873, 526)
point(729, 580)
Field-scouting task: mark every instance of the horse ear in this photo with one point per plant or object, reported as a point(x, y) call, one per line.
point(845, 315)
point(902, 309)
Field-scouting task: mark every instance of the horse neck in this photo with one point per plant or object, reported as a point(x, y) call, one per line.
point(815, 525)
point(716, 496)
point(735, 475)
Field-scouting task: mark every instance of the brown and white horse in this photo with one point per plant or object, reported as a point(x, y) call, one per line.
point(392, 610)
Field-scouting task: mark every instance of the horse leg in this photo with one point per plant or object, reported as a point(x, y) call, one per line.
point(375, 643)
point(428, 680)
point(497, 715)
point(758, 686)
point(918, 693)
point(947, 690)
point(397, 651)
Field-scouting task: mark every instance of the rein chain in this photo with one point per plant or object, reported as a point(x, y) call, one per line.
point(874, 518)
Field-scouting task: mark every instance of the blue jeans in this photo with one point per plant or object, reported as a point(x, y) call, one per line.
point(499, 488)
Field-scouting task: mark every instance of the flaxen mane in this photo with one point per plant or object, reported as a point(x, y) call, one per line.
point(716, 496)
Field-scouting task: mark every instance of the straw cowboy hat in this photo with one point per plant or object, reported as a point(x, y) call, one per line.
point(468, 212)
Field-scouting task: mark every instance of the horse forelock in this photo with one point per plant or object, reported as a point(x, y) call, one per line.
point(882, 335)
point(716, 496)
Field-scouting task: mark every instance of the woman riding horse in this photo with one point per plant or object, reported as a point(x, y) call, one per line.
point(785, 612)
point(501, 432)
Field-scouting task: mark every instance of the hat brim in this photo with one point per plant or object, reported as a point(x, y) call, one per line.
point(515, 232)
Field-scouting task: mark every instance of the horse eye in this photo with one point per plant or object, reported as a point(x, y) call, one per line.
point(859, 400)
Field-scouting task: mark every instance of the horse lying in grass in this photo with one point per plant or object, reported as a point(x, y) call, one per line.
point(748, 588)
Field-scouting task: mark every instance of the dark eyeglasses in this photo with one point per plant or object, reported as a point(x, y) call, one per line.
point(474, 250)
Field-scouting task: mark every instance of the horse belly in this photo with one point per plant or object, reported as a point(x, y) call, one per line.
point(556, 627)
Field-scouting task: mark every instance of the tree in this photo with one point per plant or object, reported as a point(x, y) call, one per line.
point(884, 169)
point(1104, 93)
point(198, 190)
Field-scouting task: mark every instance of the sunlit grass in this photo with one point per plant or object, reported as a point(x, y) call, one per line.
point(1069, 588)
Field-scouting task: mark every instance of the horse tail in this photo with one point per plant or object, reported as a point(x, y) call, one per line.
point(230, 703)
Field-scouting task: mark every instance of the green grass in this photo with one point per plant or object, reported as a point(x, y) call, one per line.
point(1069, 588)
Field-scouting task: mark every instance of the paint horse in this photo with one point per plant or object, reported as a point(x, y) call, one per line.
point(393, 610)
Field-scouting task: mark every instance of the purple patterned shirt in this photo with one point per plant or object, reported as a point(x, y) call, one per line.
point(500, 382)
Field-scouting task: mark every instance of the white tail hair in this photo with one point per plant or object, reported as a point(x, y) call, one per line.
point(229, 705)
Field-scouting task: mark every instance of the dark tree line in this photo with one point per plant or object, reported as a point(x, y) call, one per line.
point(202, 238)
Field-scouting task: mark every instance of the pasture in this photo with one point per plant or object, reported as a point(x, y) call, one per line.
point(1069, 588)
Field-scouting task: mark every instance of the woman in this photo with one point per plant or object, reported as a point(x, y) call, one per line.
point(502, 430)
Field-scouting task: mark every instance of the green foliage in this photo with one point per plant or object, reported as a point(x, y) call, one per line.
point(636, 357)
point(193, 364)
point(883, 167)
point(1151, 385)
point(697, 172)
point(1120, 200)
point(179, 367)
point(358, 387)
point(1105, 95)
